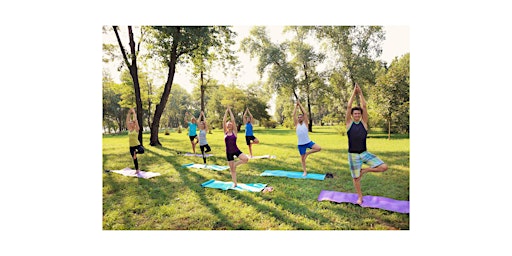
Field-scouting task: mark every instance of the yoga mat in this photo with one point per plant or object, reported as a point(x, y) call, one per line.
point(208, 166)
point(131, 173)
point(263, 157)
point(198, 155)
point(225, 185)
point(295, 175)
point(368, 201)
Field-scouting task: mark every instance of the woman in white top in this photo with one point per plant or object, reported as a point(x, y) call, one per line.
point(301, 128)
point(203, 129)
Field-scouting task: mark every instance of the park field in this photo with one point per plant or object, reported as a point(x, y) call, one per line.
point(176, 201)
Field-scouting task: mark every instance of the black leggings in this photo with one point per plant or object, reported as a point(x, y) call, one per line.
point(139, 150)
point(208, 149)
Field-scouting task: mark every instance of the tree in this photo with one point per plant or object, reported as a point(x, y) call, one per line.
point(113, 114)
point(393, 94)
point(174, 44)
point(305, 61)
point(271, 59)
point(357, 47)
point(130, 59)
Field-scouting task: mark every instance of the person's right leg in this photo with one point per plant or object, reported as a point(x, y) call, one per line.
point(355, 163)
point(357, 186)
point(202, 152)
point(232, 169)
point(303, 162)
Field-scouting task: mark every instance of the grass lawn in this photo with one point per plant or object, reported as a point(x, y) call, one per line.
point(176, 201)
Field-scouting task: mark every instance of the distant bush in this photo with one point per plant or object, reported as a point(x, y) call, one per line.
point(270, 124)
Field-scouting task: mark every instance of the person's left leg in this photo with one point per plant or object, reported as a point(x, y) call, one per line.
point(375, 163)
point(315, 148)
point(242, 159)
point(232, 169)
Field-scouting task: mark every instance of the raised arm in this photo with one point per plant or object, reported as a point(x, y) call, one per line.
point(224, 121)
point(135, 120)
point(248, 111)
point(245, 115)
point(128, 117)
point(233, 121)
point(204, 120)
point(186, 117)
point(348, 118)
point(304, 114)
point(363, 104)
point(295, 121)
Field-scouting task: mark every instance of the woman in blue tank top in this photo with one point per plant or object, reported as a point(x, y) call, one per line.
point(249, 135)
point(232, 150)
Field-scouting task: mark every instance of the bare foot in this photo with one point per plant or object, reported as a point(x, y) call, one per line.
point(359, 201)
point(304, 174)
point(363, 171)
point(235, 184)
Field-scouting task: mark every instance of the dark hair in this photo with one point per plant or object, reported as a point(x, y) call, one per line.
point(356, 108)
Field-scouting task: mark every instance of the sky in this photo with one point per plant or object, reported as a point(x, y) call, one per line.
point(395, 45)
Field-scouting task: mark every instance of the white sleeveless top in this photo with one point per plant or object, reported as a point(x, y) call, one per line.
point(302, 134)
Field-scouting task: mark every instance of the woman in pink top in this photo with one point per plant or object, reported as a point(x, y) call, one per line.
point(231, 147)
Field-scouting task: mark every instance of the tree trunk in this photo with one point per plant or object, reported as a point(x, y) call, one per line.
point(310, 124)
point(135, 76)
point(154, 141)
point(389, 128)
point(202, 92)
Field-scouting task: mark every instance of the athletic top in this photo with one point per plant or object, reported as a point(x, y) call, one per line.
point(302, 134)
point(248, 129)
point(230, 143)
point(192, 129)
point(133, 136)
point(356, 137)
point(202, 138)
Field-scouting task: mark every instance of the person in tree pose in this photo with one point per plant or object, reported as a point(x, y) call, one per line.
point(249, 135)
point(192, 131)
point(230, 135)
point(301, 128)
point(356, 120)
point(133, 133)
point(203, 130)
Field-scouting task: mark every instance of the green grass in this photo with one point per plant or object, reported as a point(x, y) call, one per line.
point(176, 201)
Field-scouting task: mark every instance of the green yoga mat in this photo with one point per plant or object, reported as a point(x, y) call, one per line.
point(225, 185)
point(294, 175)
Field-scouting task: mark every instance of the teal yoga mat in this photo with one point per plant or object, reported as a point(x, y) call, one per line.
point(207, 166)
point(225, 185)
point(294, 175)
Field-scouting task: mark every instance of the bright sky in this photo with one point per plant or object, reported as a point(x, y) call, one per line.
point(395, 45)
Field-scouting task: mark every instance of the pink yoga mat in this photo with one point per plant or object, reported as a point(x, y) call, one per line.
point(368, 201)
point(142, 174)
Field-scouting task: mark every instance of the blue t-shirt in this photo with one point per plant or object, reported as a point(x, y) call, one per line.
point(192, 129)
point(248, 129)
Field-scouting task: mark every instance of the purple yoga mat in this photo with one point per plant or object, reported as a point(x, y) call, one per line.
point(368, 201)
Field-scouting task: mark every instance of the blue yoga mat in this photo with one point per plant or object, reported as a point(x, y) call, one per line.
point(225, 185)
point(208, 166)
point(295, 175)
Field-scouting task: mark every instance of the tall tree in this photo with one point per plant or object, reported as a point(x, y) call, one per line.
point(271, 59)
point(357, 47)
point(393, 95)
point(305, 61)
point(175, 44)
point(130, 59)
